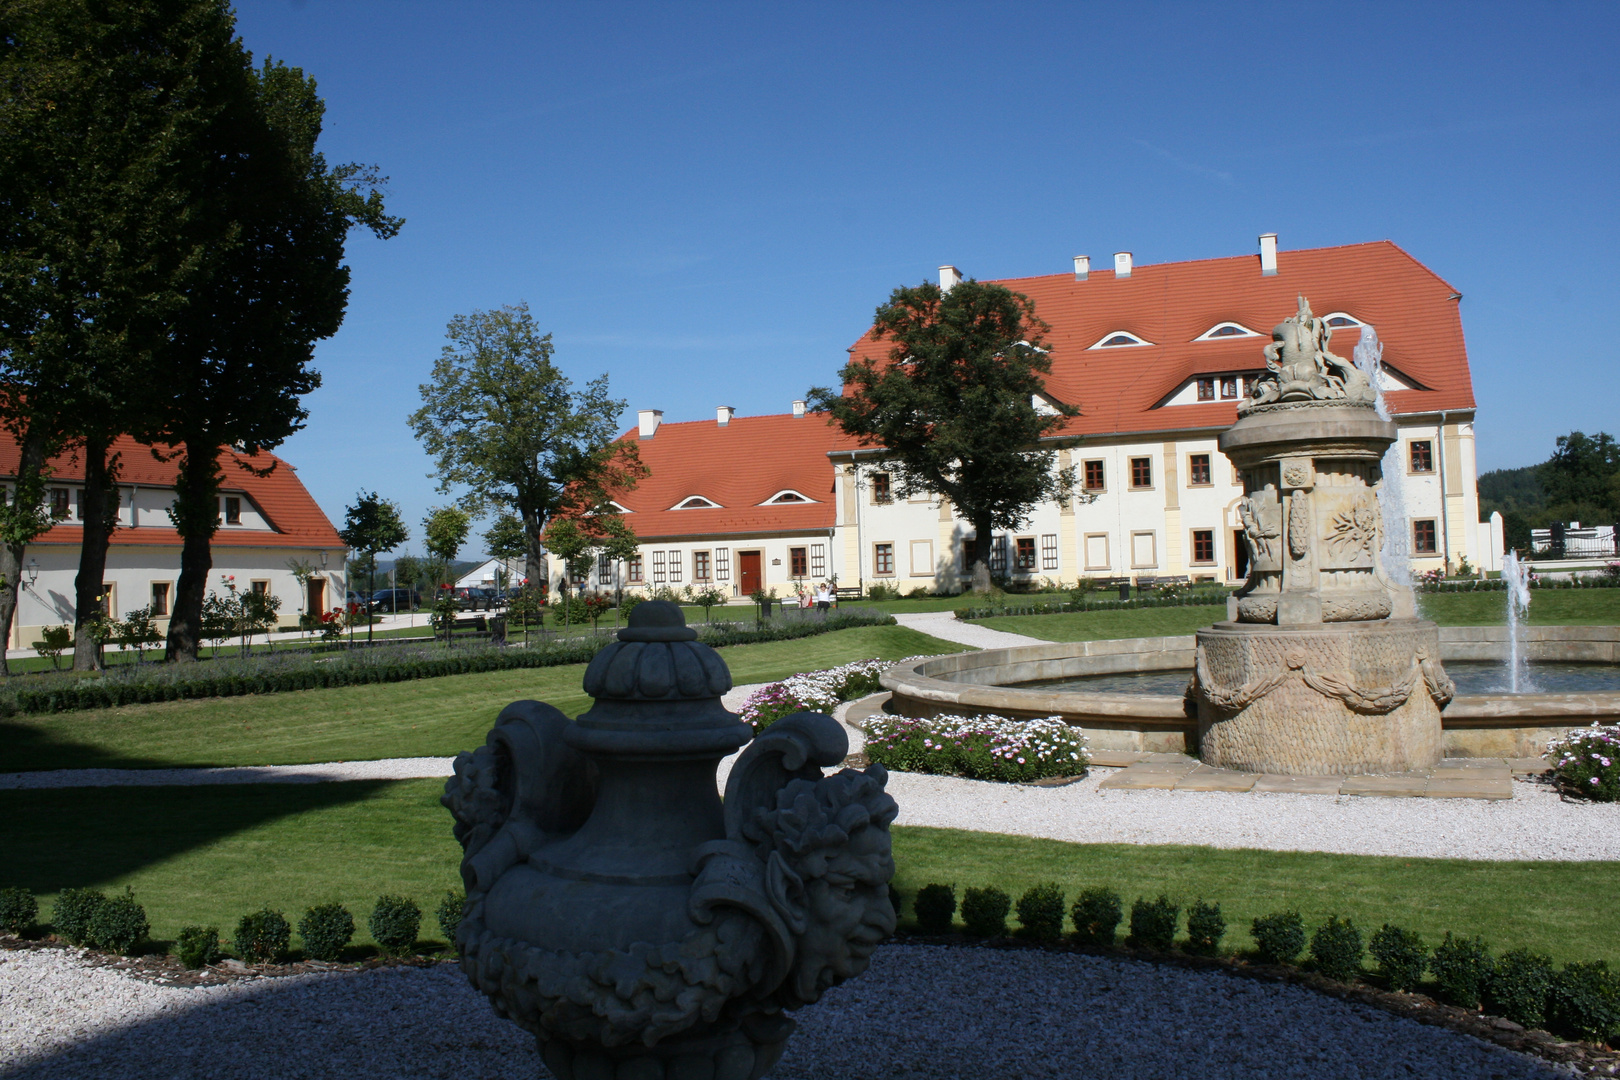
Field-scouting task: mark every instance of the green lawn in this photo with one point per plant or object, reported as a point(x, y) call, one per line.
point(1100, 625)
point(208, 855)
point(425, 718)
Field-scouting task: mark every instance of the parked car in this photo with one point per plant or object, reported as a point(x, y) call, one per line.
point(395, 600)
point(468, 599)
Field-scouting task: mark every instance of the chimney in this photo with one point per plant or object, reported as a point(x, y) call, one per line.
point(1122, 264)
point(723, 415)
point(798, 408)
point(649, 419)
point(948, 277)
point(1268, 253)
point(1082, 267)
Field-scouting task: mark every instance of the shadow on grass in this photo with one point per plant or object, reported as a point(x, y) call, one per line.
point(71, 837)
point(27, 746)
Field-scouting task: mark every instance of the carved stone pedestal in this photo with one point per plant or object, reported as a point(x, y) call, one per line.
point(1326, 700)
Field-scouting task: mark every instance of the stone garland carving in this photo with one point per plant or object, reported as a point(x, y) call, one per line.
point(791, 902)
point(1376, 701)
point(1299, 367)
point(1299, 525)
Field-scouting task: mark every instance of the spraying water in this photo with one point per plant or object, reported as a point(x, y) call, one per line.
point(1395, 554)
point(1517, 576)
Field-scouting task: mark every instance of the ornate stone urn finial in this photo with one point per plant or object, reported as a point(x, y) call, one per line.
point(616, 909)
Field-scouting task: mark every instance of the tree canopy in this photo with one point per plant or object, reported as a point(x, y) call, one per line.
point(504, 424)
point(951, 412)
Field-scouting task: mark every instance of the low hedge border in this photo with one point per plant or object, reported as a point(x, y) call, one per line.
point(139, 685)
point(1062, 607)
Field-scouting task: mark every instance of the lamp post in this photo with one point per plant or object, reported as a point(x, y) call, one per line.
point(33, 572)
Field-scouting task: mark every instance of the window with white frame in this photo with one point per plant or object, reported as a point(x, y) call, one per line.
point(1049, 551)
point(722, 564)
point(998, 555)
point(701, 564)
point(818, 560)
point(659, 573)
point(604, 570)
point(632, 569)
point(675, 573)
point(1024, 554)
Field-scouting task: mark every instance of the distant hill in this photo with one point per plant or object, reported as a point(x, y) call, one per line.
point(1510, 490)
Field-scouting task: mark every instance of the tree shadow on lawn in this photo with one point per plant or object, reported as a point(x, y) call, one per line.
point(28, 746)
point(57, 838)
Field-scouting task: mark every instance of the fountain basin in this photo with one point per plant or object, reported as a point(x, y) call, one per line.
point(1473, 725)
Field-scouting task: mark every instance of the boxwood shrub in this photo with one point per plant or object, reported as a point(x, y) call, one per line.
point(1153, 923)
point(18, 909)
point(935, 907)
point(74, 910)
point(1279, 937)
point(119, 924)
point(1401, 955)
point(984, 911)
point(1518, 987)
point(1584, 1001)
point(1096, 914)
point(394, 924)
point(1336, 949)
point(326, 929)
point(1461, 966)
point(263, 936)
point(449, 914)
point(199, 946)
point(1205, 928)
point(1040, 912)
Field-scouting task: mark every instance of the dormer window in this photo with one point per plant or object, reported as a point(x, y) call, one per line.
point(785, 496)
point(1337, 319)
point(696, 502)
point(1225, 330)
point(1119, 339)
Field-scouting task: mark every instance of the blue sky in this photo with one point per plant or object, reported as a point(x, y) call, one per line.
point(707, 201)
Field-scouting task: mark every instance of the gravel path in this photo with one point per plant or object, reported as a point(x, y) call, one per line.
point(920, 1012)
point(947, 627)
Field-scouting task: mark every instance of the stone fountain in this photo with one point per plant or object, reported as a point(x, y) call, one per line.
point(1323, 667)
point(616, 909)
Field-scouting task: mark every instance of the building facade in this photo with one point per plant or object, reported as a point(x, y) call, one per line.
point(1155, 358)
point(268, 524)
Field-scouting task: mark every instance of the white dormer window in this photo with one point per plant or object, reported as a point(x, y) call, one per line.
point(1337, 319)
point(1225, 330)
point(786, 496)
point(1119, 339)
point(618, 507)
point(696, 502)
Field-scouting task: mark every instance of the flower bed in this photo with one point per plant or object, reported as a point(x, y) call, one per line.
point(814, 691)
point(977, 747)
point(1586, 762)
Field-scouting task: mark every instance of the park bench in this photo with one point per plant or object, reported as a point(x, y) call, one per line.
point(479, 626)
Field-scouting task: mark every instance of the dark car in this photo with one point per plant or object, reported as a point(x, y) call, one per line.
point(468, 599)
point(395, 600)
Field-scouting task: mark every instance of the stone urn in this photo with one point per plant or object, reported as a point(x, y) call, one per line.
point(1322, 668)
point(618, 910)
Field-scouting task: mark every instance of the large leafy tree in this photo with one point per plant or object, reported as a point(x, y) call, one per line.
point(1582, 478)
point(951, 411)
point(239, 360)
point(504, 424)
point(108, 114)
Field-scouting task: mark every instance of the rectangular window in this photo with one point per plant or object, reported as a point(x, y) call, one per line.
point(970, 553)
point(1141, 472)
point(1095, 476)
point(881, 492)
point(922, 558)
point(233, 510)
point(604, 570)
point(1203, 545)
point(1049, 553)
point(883, 559)
point(1024, 554)
point(660, 575)
point(108, 607)
point(1206, 389)
point(1198, 470)
point(675, 567)
point(818, 560)
point(1144, 550)
point(998, 555)
point(581, 572)
point(261, 587)
point(1229, 387)
point(160, 599)
point(632, 569)
point(1422, 455)
point(1097, 552)
point(798, 561)
point(59, 503)
point(722, 564)
point(1424, 540)
point(700, 566)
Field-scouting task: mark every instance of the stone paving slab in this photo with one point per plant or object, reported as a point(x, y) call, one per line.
point(1404, 785)
point(1299, 785)
point(1116, 759)
point(1128, 779)
point(1457, 778)
point(1529, 766)
point(1205, 778)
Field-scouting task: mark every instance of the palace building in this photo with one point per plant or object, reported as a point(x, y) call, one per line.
point(1155, 359)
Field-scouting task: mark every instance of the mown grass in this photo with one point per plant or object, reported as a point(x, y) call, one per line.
point(208, 855)
point(424, 718)
point(1101, 625)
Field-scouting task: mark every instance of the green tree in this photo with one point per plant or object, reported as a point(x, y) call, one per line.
point(505, 538)
point(572, 545)
point(502, 422)
point(371, 525)
point(952, 410)
point(273, 219)
point(1582, 478)
point(446, 528)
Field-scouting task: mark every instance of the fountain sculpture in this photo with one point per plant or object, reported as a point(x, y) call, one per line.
point(617, 910)
point(1323, 668)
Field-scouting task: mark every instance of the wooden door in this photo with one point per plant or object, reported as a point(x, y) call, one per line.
point(748, 571)
point(317, 595)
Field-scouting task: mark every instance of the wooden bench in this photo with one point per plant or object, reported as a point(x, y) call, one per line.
point(479, 626)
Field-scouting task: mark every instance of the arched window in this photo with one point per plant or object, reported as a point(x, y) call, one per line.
point(786, 495)
point(696, 502)
point(1118, 338)
point(1225, 330)
point(1337, 319)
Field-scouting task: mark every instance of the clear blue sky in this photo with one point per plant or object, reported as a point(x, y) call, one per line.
point(707, 201)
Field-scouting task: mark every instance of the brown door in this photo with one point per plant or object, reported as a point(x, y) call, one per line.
point(317, 595)
point(748, 575)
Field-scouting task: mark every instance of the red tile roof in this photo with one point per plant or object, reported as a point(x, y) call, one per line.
point(285, 504)
point(1170, 304)
point(739, 466)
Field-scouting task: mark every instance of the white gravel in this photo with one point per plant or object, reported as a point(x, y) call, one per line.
point(920, 1012)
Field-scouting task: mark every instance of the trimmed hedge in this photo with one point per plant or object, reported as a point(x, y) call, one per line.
point(140, 684)
point(1060, 607)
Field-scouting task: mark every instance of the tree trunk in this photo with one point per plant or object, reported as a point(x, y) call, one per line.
point(982, 540)
point(196, 517)
point(533, 561)
point(27, 498)
point(98, 510)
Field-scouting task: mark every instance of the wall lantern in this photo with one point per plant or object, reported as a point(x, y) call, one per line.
point(33, 572)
